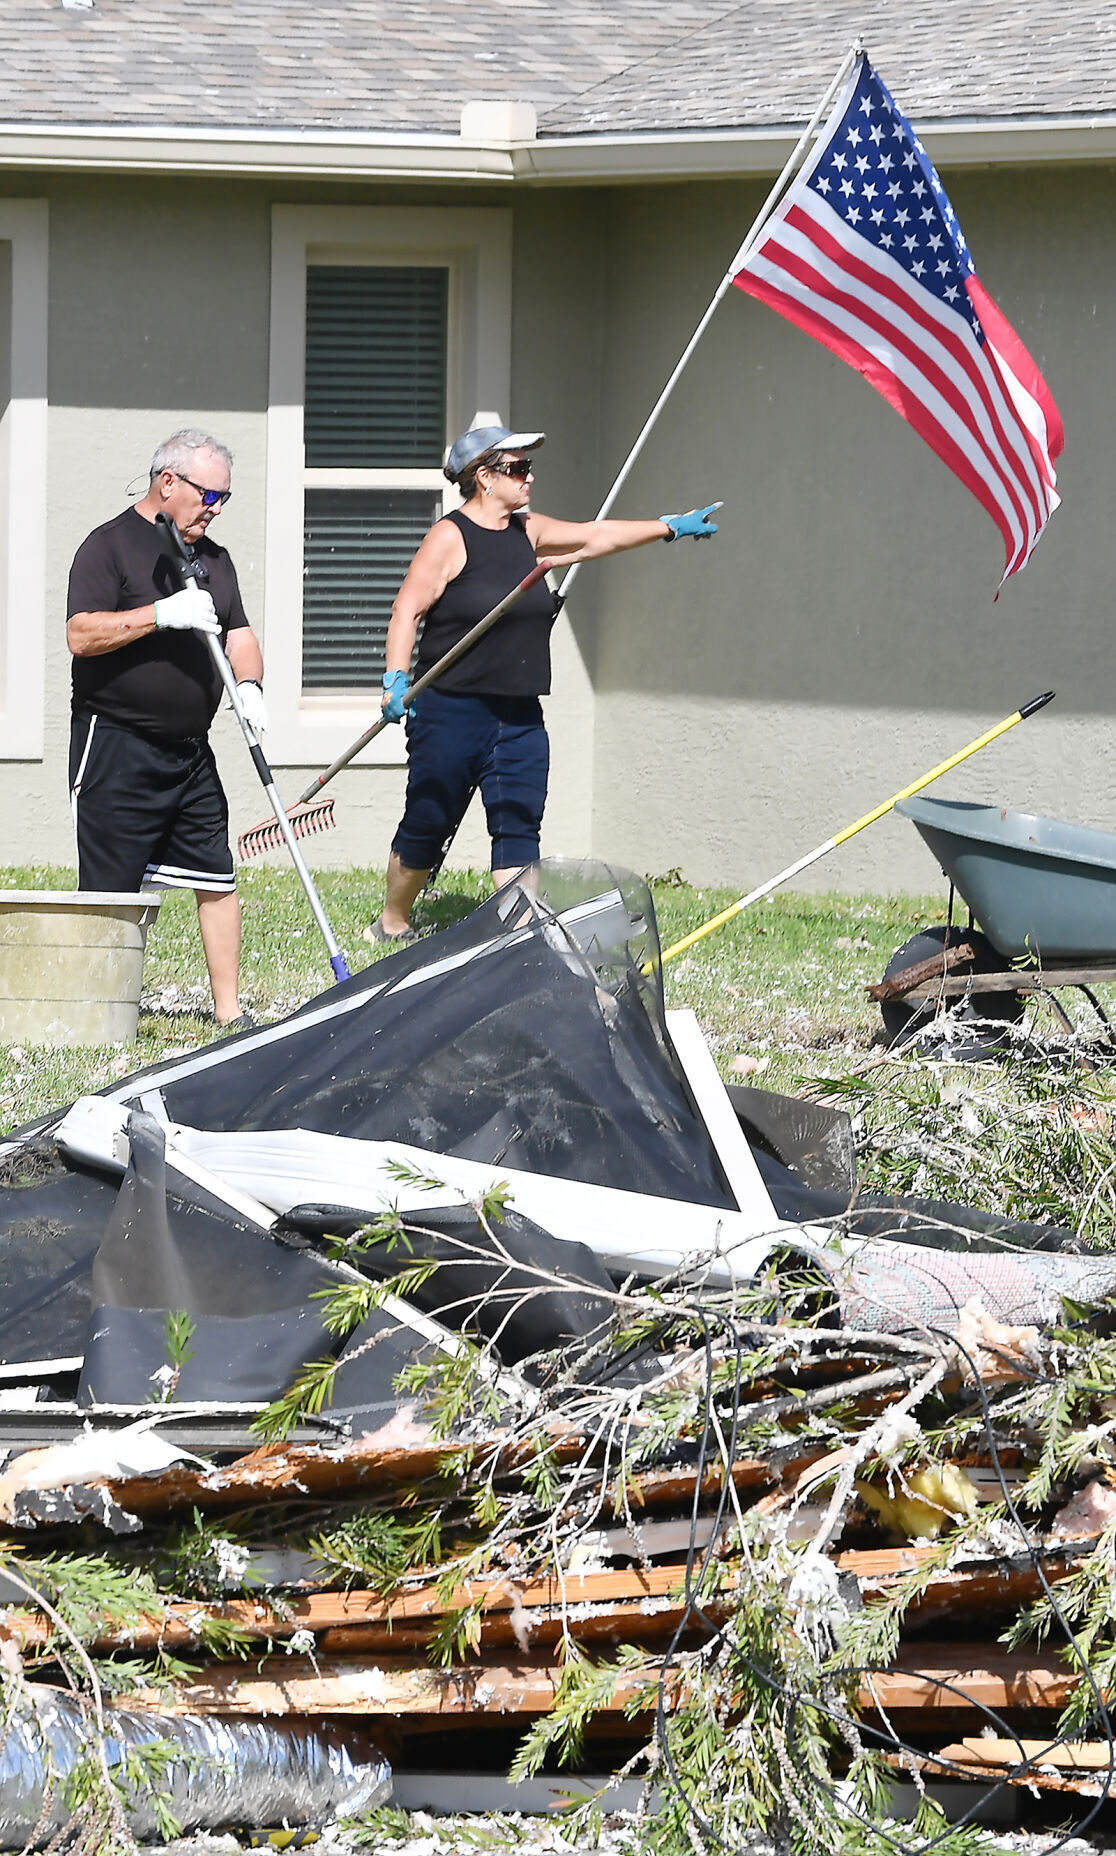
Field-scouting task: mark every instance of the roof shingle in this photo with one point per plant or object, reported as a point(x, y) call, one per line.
point(589, 66)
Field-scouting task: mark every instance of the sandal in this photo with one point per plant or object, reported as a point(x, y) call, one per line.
point(377, 933)
point(245, 1022)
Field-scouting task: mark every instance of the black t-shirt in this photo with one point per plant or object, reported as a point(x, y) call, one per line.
point(513, 659)
point(167, 683)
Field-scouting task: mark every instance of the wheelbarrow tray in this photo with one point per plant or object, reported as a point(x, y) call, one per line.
point(1039, 888)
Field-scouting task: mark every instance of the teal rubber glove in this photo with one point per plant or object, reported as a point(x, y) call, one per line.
point(396, 685)
point(695, 522)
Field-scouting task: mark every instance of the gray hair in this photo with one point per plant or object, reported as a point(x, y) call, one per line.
point(177, 452)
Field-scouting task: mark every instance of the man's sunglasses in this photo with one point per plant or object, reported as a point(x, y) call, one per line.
point(513, 467)
point(211, 499)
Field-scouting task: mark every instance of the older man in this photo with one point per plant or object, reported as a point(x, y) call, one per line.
point(147, 801)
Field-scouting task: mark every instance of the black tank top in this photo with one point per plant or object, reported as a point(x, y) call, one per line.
point(513, 659)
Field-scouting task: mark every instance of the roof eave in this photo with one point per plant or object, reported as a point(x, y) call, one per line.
point(307, 154)
point(549, 160)
point(709, 154)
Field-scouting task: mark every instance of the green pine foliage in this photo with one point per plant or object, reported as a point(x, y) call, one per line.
point(762, 1730)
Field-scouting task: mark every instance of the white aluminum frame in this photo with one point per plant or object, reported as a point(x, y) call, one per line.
point(23, 485)
point(474, 243)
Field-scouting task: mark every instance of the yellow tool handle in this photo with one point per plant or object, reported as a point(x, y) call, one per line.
point(974, 747)
point(850, 831)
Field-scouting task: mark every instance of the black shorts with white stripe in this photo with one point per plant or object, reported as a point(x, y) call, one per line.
point(146, 810)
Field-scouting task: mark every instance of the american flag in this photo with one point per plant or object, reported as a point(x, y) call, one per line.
point(864, 252)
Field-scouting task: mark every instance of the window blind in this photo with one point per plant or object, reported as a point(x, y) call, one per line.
point(357, 545)
point(376, 347)
point(376, 338)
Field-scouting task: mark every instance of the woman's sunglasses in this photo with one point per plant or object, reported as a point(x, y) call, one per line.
point(513, 467)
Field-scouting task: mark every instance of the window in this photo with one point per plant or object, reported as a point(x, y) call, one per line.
point(375, 399)
point(23, 421)
point(390, 331)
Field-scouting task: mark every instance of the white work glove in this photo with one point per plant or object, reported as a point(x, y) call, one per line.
point(253, 705)
point(191, 610)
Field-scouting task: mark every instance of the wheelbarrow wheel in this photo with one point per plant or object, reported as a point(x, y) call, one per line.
point(904, 1020)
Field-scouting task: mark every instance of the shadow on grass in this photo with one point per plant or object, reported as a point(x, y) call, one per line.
point(442, 908)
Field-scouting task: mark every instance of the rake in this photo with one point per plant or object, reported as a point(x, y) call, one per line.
point(308, 814)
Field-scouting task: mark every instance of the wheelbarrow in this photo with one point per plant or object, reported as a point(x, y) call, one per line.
point(1042, 896)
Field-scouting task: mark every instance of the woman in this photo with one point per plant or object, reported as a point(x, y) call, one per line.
point(481, 723)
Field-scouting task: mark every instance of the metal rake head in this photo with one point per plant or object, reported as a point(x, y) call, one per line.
point(268, 835)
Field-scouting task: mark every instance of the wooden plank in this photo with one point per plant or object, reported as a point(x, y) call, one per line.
point(631, 1592)
point(279, 1472)
point(1020, 979)
point(636, 1602)
point(1069, 1756)
point(667, 1488)
point(316, 1472)
point(1082, 1785)
point(921, 1682)
point(925, 1678)
point(650, 1621)
point(389, 1686)
point(981, 1589)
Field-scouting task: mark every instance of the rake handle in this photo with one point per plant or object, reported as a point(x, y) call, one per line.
point(429, 676)
point(188, 569)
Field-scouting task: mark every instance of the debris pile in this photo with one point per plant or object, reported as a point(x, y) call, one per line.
point(457, 1374)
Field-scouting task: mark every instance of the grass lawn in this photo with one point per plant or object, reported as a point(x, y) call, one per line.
point(779, 992)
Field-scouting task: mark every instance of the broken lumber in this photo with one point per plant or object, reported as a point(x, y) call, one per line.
point(921, 972)
point(921, 1681)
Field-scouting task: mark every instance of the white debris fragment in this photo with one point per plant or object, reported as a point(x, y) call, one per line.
point(372, 1684)
point(815, 1599)
point(995, 1346)
point(520, 1618)
point(590, 1554)
point(897, 1431)
point(232, 1561)
point(93, 1456)
point(401, 1432)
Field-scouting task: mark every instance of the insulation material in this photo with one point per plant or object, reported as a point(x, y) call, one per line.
point(896, 1286)
point(231, 1772)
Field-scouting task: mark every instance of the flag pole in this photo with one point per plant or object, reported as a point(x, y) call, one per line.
point(756, 227)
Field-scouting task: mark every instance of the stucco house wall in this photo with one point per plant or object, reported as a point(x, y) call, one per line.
point(756, 694)
point(719, 707)
point(159, 300)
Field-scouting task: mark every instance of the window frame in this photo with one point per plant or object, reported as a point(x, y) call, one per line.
point(23, 484)
point(309, 728)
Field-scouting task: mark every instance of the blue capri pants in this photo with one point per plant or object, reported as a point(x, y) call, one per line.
point(456, 743)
